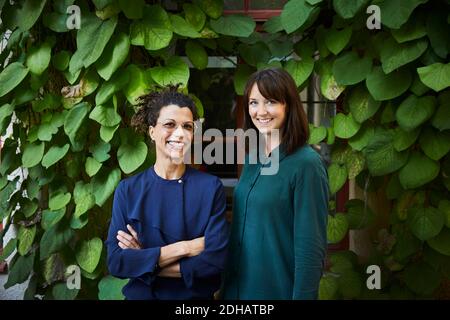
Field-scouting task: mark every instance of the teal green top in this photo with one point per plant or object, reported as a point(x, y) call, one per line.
point(278, 239)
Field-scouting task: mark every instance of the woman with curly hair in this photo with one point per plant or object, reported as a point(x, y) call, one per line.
point(168, 232)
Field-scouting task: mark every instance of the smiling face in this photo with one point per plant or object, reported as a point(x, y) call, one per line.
point(266, 114)
point(173, 132)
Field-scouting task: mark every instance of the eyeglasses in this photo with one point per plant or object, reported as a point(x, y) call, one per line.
point(170, 125)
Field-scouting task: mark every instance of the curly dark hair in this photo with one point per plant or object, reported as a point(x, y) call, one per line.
point(149, 106)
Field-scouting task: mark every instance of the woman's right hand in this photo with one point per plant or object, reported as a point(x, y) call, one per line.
point(195, 246)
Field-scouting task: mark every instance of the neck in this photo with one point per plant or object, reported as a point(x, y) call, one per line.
point(271, 143)
point(166, 169)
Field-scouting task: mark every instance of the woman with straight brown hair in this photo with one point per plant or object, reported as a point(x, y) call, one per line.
point(278, 238)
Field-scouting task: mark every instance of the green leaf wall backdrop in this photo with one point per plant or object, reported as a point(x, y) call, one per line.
point(73, 93)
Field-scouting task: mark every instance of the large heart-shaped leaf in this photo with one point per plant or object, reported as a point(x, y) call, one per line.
point(54, 154)
point(441, 243)
point(435, 76)
point(110, 288)
point(113, 56)
point(388, 86)
point(132, 151)
point(418, 171)
point(234, 25)
point(294, 15)
point(425, 223)
point(59, 200)
point(337, 227)
point(414, 111)
point(88, 254)
point(194, 15)
point(54, 239)
point(395, 55)
point(11, 76)
point(362, 105)
point(345, 126)
point(104, 184)
point(350, 69)
point(38, 58)
point(175, 71)
point(83, 197)
point(20, 271)
point(435, 144)
point(300, 70)
point(348, 8)
point(394, 13)
point(26, 238)
point(337, 176)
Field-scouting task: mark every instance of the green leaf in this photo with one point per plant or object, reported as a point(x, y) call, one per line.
point(79, 223)
point(337, 227)
point(295, 14)
point(113, 56)
point(50, 218)
point(300, 70)
point(138, 84)
point(436, 23)
point(54, 239)
point(435, 144)
point(212, 8)
point(358, 214)
point(328, 287)
point(317, 135)
point(413, 29)
point(153, 31)
point(6, 111)
point(435, 76)
point(425, 223)
point(11, 76)
point(32, 154)
point(183, 28)
point(234, 25)
point(348, 8)
point(336, 40)
point(328, 85)
point(273, 25)
point(74, 121)
point(441, 118)
point(355, 164)
point(54, 154)
point(110, 288)
point(197, 54)
point(345, 126)
point(91, 40)
point(131, 153)
point(100, 150)
point(8, 249)
point(441, 243)
point(118, 81)
point(350, 284)
point(107, 133)
point(394, 55)
point(240, 78)
point(194, 15)
point(394, 13)
point(92, 166)
point(404, 139)
point(360, 140)
point(388, 86)
point(88, 254)
point(418, 171)
point(27, 14)
point(421, 278)
point(362, 105)
point(414, 111)
point(175, 71)
point(337, 177)
point(26, 238)
point(349, 68)
point(59, 200)
point(104, 184)
point(38, 58)
point(381, 156)
point(106, 115)
point(60, 291)
point(20, 270)
point(254, 54)
point(83, 197)
point(132, 9)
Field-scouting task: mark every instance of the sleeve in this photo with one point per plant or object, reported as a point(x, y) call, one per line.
point(211, 261)
point(310, 228)
point(128, 263)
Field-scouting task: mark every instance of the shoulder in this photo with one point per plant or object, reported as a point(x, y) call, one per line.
point(133, 181)
point(305, 157)
point(203, 178)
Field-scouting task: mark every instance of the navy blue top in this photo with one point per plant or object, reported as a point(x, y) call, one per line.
point(163, 212)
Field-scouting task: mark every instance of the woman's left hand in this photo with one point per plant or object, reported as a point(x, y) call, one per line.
point(128, 241)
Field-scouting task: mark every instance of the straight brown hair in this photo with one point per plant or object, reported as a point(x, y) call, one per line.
point(277, 84)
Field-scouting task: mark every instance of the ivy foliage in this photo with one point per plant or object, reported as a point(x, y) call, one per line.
point(71, 93)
